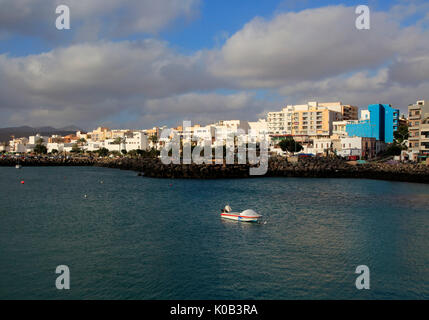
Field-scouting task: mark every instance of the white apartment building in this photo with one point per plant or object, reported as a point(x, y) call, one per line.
point(339, 128)
point(138, 141)
point(92, 145)
point(199, 134)
point(350, 146)
point(258, 131)
point(67, 147)
point(224, 129)
point(280, 122)
point(358, 146)
point(18, 145)
point(36, 138)
point(321, 146)
point(55, 146)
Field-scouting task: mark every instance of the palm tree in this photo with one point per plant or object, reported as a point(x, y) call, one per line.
point(119, 141)
point(81, 142)
point(153, 139)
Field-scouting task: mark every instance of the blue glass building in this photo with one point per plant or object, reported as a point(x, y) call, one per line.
point(382, 123)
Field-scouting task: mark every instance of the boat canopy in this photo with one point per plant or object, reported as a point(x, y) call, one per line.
point(250, 213)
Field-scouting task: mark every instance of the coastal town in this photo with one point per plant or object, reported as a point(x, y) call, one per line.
point(312, 129)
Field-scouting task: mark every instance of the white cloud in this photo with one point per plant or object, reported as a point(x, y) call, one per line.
point(314, 54)
point(206, 107)
point(107, 17)
point(308, 45)
point(318, 53)
point(99, 76)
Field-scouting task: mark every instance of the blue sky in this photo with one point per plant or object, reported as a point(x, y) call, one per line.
point(144, 63)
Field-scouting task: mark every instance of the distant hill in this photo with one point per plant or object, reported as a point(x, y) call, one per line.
point(26, 131)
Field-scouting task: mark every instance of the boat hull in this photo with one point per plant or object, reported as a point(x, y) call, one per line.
point(238, 217)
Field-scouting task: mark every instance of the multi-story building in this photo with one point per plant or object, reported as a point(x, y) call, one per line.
point(280, 123)
point(38, 138)
point(365, 148)
point(348, 112)
point(18, 145)
point(418, 128)
point(424, 138)
point(226, 129)
point(137, 140)
point(314, 121)
point(340, 128)
point(311, 119)
point(154, 132)
point(321, 146)
point(379, 122)
point(100, 134)
point(199, 134)
point(258, 131)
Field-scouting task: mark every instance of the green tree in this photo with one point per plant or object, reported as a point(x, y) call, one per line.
point(154, 139)
point(81, 142)
point(103, 152)
point(119, 141)
point(401, 134)
point(289, 144)
point(54, 151)
point(124, 152)
point(40, 149)
point(76, 148)
point(132, 153)
point(394, 150)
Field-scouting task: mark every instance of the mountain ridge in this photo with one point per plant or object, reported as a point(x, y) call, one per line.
point(26, 131)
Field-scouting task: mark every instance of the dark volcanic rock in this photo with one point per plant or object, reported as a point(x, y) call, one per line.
point(277, 167)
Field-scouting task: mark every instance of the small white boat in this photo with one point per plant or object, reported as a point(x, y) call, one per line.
point(245, 216)
point(18, 166)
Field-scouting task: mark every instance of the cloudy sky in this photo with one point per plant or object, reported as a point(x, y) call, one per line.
point(141, 63)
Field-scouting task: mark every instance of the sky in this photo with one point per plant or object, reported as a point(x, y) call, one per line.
point(143, 63)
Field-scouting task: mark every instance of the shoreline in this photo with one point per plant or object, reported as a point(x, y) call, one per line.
point(277, 167)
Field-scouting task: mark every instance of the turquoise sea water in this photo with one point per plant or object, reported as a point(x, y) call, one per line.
point(141, 238)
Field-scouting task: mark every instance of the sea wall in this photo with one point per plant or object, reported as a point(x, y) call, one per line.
point(278, 167)
point(48, 162)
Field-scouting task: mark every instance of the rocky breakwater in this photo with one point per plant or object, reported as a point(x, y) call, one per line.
point(277, 167)
point(339, 168)
point(47, 162)
point(154, 168)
